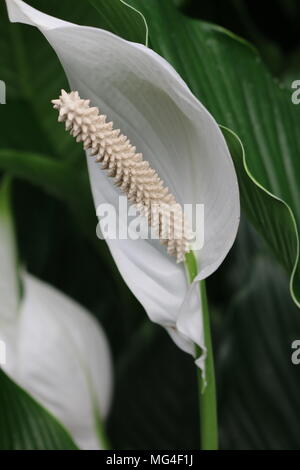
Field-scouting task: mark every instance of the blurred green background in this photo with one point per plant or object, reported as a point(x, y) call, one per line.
point(254, 319)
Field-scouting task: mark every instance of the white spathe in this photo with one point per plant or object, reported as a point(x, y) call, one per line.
point(54, 348)
point(60, 355)
point(146, 98)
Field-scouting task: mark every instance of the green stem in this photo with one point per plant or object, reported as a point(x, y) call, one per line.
point(207, 393)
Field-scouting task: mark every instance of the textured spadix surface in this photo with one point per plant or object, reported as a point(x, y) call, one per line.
point(54, 348)
point(147, 99)
point(131, 172)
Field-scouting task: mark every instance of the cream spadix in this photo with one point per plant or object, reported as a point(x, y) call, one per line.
point(130, 171)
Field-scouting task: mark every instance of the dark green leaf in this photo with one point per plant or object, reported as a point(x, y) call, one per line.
point(155, 405)
point(119, 18)
point(258, 383)
point(25, 425)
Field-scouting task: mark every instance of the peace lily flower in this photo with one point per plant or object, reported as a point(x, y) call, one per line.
point(144, 96)
point(54, 349)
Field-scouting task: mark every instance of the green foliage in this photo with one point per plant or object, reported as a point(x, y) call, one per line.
point(25, 425)
point(117, 16)
point(258, 383)
point(155, 404)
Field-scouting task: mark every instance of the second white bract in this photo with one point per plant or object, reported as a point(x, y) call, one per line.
point(60, 355)
point(54, 348)
point(151, 104)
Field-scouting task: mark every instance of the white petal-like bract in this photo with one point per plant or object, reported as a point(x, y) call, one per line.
point(50, 345)
point(59, 353)
point(147, 99)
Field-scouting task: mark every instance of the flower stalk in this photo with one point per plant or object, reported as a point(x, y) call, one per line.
point(207, 383)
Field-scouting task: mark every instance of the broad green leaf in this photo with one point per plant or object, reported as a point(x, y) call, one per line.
point(244, 19)
point(119, 17)
point(228, 76)
point(262, 207)
point(26, 81)
point(155, 404)
point(258, 383)
point(56, 178)
point(25, 425)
